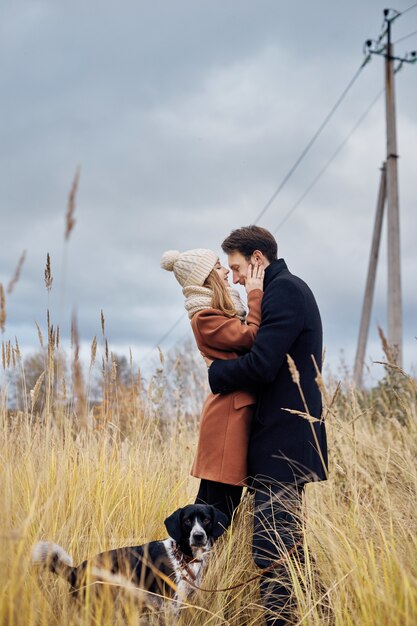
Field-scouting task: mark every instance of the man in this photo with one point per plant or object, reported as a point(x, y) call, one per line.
point(287, 449)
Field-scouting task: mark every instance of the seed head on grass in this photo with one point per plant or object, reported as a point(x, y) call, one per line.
point(17, 350)
point(34, 393)
point(51, 347)
point(48, 276)
point(39, 334)
point(2, 309)
point(113, 372)
point(16, 274)
point(70, 221)
point(295, 375)
point(93, 352)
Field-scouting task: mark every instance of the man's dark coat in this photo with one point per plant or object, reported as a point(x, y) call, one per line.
point(284, 447)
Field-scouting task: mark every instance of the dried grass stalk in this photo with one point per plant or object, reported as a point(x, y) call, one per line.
point(306, 416)
point(78, 380)
point(39, 334)
point(8, 353)
point(51, 348)
point(16, 274)
point(113, 373)
point(64, 387)
point(93, 352)
point(102, 322)
point(70, 221)
point(390, 351)
point(295, 375)
point(48, 276)
point(17, 350)
point(34, 393)
point(2, 309)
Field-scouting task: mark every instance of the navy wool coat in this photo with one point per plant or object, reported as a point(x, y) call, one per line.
point(283, 447)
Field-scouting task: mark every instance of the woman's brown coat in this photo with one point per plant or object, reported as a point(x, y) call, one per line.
point(225, 419)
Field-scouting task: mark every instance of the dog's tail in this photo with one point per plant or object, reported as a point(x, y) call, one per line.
point(54, 558)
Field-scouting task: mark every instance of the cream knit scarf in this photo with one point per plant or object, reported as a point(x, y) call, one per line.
point(199, 298)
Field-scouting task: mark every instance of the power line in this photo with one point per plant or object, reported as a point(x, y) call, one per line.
point(333, 156)
point(285, 179)
point(312, 141)
point(406, 37)
point(413, 6)
point(162, 339)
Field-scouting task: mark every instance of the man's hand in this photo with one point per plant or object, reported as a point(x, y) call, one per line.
point(254, 277)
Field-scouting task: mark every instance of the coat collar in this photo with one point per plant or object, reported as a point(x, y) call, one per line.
point(273, 269)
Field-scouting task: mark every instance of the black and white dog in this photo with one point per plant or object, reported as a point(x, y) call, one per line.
point(167, 568)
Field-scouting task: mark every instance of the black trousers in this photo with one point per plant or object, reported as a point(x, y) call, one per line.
point(278, 528)
point(222, 496)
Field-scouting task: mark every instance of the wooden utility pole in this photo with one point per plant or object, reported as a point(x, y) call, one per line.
point(388, 190)
point(395, 324)
point(370, 282)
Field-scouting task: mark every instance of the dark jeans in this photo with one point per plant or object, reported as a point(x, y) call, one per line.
point(222, 496)
point(277, 529)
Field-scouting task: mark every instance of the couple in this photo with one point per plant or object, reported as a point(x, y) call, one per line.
point(247, 438)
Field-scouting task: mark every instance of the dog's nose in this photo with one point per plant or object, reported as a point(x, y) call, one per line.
point(198, 536)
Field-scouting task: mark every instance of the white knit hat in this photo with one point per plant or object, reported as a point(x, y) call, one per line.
point(191, 267)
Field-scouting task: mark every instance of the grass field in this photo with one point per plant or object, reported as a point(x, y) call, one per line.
point(95, 479)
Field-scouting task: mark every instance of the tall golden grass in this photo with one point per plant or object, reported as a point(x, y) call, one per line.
point(96, 477)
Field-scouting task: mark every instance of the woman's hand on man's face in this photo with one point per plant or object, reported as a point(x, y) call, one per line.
point(254, 278)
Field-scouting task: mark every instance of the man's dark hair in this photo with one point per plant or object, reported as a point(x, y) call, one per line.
point(250, 238)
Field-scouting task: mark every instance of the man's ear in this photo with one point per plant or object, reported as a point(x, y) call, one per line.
point(220, 522)
point(258, 257)
point(173, 525)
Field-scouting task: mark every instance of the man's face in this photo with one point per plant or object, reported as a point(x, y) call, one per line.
point(239, 266)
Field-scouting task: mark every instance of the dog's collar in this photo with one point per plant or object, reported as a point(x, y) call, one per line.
point(184, 560)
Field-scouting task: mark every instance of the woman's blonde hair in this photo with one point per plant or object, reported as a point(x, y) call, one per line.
point(220, 299)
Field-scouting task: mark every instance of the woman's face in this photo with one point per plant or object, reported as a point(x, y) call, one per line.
point(223, 272)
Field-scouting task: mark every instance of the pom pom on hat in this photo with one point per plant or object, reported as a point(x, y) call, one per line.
point(191, 267)
point(168, 259)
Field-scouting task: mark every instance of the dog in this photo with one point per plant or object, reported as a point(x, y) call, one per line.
point(169, 568)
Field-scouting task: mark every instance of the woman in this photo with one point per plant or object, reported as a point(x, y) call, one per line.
point(222, 331)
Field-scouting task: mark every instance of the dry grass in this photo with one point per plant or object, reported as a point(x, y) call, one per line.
point(16, 276)
point(2, 309)
point(69, 218)
point(95, 479)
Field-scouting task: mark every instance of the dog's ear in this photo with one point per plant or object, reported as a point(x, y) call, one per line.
point(173, 525)
point(220, 522)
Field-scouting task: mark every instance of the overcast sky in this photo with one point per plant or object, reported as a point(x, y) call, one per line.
point(185, 116)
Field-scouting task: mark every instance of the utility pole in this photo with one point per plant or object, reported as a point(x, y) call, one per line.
point(395, 325)
point(370, 281)
point(389, 191)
